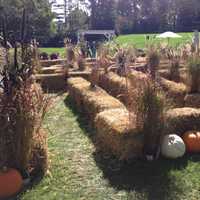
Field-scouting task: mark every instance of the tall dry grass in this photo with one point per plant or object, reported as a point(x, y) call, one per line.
point(153, 60)
point(174, 55)
point(22, 106)
point(148, 104)
point(194, 73)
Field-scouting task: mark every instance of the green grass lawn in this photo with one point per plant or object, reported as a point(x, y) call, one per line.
point(79, 173)
point(61, 51)
point(137, 40)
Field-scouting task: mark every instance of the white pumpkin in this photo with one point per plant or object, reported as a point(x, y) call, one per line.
point(172, 146)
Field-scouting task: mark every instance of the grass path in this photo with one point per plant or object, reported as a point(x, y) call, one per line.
point(78, 173)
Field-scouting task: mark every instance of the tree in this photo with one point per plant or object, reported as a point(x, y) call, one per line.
point(38, 18)
point(103, 13)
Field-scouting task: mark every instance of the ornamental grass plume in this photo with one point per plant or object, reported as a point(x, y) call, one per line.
point(174, 55)
point(194, 73)
point(81, 63)
point(150, 109)
point(124, 58)
point(153, 60)
point(70, 53)
point(22, 106)
point(104, 59)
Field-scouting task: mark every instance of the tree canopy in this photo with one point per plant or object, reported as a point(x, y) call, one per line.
point(134, 16)
point(125, 16)
point(38, 18)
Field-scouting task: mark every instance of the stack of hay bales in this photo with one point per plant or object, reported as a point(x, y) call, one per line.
point(183, 74)
point(165, 64)
point(180, 120)
point(175, 91)
point(115, 131)
point(52, 75)
point(52, 82)
point(120, 87)
point(91, 101)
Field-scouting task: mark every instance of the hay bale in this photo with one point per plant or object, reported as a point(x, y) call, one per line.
point(52, 82)
point(98, 101)
point(52, 70)
point(180, 120)
point(137, 78)
point(141, 60)
point(116, 135)
point(91, 101)
point(165, 74)
point(83, 74)
point(174, 91)
point(139, 67)
point(115, 85)
point(75, 88)
point(192, 100)
point(48, 63)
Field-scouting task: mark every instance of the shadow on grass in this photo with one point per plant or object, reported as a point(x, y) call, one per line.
point(156, 180)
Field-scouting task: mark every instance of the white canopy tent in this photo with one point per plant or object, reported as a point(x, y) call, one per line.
point(169, 35)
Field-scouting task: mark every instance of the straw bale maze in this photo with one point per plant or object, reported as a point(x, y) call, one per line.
point(108, 105)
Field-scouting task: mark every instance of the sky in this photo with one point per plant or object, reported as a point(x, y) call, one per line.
point(60, 10)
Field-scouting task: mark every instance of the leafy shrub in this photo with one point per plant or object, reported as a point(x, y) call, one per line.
point(54, 56)
point(44, 56)
point(22, 107)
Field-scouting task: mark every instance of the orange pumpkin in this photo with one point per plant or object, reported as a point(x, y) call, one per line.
point(10, 183)
point(192, 141)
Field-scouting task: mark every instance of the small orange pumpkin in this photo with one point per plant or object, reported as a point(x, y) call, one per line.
point(192, 141)
point(10, 183)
